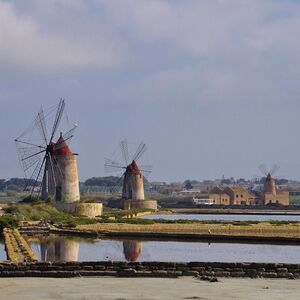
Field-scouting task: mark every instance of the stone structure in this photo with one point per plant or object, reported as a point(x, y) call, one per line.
point(149, 269)
point(271, 195)
point(90, 210)
point(67, 186)
point(67, 193)
point(133, 185)
point(133, 189)
point(140, 204)
point(233, 195)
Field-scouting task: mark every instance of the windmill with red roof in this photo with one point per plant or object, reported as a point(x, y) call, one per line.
point(269, 181)
point(133, 195)
point(48, 163)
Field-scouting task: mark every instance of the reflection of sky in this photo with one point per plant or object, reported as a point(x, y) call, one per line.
point(224, 217)
point(2, 251)
point(103, 250)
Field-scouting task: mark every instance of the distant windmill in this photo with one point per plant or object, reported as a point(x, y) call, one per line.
point(269, 184)
point(132, 175)
point(47, 161)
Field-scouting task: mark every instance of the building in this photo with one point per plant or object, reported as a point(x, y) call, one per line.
point(190, 192)
point(203, 201)
point(220, 199)
point(240, 196)
point(232, 195)
point(271, 195)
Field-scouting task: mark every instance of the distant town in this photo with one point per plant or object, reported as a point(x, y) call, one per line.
point(207, 192)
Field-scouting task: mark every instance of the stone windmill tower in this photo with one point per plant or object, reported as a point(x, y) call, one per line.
point(133, 183)
point(47, 160)
point(67, 187)
point(269, 184)
point(270, 195)
point(133, 195)
point(49, 165)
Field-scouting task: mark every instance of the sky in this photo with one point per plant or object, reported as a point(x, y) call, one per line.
point(211, 86)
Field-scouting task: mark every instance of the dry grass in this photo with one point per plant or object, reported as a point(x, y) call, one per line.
point(261, 229)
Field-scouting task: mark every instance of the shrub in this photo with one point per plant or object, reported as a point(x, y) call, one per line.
point(9, 221)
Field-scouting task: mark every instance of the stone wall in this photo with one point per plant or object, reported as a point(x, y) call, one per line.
point(150, 269)
point(90, 210)
point(140, 204)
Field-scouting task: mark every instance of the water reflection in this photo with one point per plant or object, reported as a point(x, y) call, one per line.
point(59, 249)
point(63, 248)
point(132, 250)
point(2, 251)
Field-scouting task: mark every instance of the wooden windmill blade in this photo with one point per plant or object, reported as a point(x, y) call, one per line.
point(35, 149)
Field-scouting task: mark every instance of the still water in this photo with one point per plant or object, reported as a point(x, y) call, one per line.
point(2, 251)
point(61, 248)
point(225, 217)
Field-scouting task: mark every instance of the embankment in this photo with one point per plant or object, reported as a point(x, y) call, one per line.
point(150, 269)
point(237, 210)
point(259, 232)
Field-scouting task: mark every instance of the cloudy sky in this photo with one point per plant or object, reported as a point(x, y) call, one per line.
point(212, 86)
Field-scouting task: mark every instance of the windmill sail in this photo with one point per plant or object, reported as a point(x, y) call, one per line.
point(47, 160)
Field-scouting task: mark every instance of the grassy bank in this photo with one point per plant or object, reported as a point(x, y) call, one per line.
point(40, 212)
point(259, 229)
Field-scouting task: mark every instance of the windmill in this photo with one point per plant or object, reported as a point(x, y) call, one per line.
point(269, 184)
point(132, 175)
point(47, 161)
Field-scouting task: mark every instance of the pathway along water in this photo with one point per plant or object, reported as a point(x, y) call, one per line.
point(63, 248)
point(225, 217)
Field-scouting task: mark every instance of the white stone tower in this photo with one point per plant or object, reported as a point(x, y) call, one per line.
point(67, 187)
point(133, 185)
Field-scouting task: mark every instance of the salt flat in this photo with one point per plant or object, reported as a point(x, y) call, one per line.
point(146, 288)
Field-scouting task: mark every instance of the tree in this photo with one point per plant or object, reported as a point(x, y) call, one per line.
point(188, 184)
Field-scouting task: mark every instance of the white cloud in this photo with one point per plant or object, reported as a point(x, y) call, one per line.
point(24, 45)
point(225, 50)
point(206, 27)
point(194, 50)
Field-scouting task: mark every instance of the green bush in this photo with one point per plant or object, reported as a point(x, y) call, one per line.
point(8, 221)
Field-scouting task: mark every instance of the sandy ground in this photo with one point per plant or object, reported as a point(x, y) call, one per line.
point(146, 288)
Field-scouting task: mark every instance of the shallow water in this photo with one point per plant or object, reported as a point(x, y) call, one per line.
point(55, 248)
point(2, 251)
point(225, 217)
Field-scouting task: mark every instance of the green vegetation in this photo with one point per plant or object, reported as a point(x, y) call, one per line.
point(46, 212)
point(107, 181)
point(9, 221)
point(121, 218)
point(127, 221)
point(110, 213)
point(294, 200)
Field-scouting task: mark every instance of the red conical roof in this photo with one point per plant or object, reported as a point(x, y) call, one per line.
point(134, 167)
point(269, 177)
point(61, 148)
